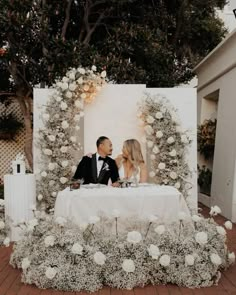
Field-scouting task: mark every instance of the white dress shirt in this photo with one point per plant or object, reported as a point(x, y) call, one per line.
point(99, 164)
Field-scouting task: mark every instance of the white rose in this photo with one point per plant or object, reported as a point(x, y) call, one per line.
point(161, 166)
point(159, 134)
point(155, 150)
point(128, 265)
point(134, 237)
point(116, 213)
point(221, 230)
point(153, 251)
point(160, 229)
point(50, 273)
point(184, 139)
point(58, 98)
point(94, 219)
point(60, 221)
point(40, 197)
point(51, 166)
point(54, 194)
point(99, 258)
point(164, 260)
point(228, 225)
point(148, 129)
point(46, 117)
point(177, 185)
point(215, 259)
point(60, 134)
point(78, 104)
point(152, 174)
point(51, 137)
point(63, 149)
point(51, 182)
point(25, 263)
point(64, 163)
point(47, 152)
point(68, 94)
point(86, 87)
point(103, 74)
point(189, 260)
point(73, 139)
point(83, 95)
point(49, 241)
point(6, 242)
point(196, 218)
point(72, 87)
point(59, 84)
point(149, 144)
point(64, 86)
point(2, 224)
point(44, 174)
point(77, 249)
point(173, 175)
point(72, 76)
point(94, 68)
point(63, 180)
point(215, 210)
point(65, 79)
point(173, 153)
point(81, 71)
point(170, 140)
point(64, 125)
point(201, 238)
point(80, 80)
point(150, 119)
point(63, 106)
point(152, 218)
point(159, 115)
point(182, 216)
point(231, 257)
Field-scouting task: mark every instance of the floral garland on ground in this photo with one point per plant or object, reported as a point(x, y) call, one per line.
point(57, 254)
point(4, 228)
point(58, 141)
point(167, 143)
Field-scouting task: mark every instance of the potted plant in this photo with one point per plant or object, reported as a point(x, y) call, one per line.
point(206, 138)
point(9, 126)
point(204, 180)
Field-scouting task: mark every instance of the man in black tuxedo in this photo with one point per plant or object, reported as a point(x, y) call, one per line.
point(99, 168)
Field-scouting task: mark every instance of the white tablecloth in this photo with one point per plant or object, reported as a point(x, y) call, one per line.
point(163, 201)
point(20, 196)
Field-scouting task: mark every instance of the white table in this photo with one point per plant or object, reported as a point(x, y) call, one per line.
point(20, 196)
point(163, 201)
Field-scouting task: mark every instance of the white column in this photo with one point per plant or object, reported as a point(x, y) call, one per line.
point(20, 196)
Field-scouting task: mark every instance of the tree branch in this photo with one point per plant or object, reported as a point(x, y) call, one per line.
point(66, 21)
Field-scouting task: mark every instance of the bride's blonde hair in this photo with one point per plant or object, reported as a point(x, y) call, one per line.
point(133, 148)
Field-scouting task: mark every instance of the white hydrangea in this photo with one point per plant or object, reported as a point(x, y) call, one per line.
point(228, 225)
point(177, 185)
point(153, 251)
point(159, 115)
point(47, 152)
point(49, 241)
point(63, 180)
point(63, 106)
point(64, 86)
point(72, 76)
point(94, 219)
point(64, 163)
point(25, 263)
point(78, 104)
point(60, 221)
point(231, 257)
point(150, 119)
point(160, 229)
point(173, 175)
point(52, 138)
point(215, 259)
point(173, 153)
point(64, 125)
point(99, 258)
point(220, 230)
point(77, 249)
point(196, 218)
point(51, 166)
point(94, 68)
point(152, 174)
point(6, 242)
point(164, 260)
point(189, 259)
point(63, 149)
point(134, 237)
point(2, 224)
point(161, 166)
point(128, 265)
point(170, 140)
point(50, 272)
point(65, 79)
point(159, 134)
point(155, 150)
point(201, 238)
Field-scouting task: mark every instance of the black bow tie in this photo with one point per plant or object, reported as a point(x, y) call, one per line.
point(101, 158)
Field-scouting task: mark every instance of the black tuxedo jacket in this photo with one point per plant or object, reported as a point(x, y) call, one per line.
point(87, 169)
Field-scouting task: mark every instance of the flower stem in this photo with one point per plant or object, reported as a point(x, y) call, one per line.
point(148, 229)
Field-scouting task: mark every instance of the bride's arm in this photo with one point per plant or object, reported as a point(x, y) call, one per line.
point(143, 173)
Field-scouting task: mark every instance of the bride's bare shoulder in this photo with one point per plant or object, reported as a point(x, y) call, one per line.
point(118, 160)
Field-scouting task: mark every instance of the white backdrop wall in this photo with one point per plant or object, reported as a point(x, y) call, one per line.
point(114, 114)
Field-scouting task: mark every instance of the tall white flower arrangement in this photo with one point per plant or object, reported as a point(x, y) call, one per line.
point(58, 139)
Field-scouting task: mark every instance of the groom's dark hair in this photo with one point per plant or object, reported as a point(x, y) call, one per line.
point(100, 140)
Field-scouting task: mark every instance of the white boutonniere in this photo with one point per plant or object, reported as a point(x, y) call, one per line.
point(106, 167)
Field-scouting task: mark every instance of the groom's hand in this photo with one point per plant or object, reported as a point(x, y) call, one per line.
point(115, 184)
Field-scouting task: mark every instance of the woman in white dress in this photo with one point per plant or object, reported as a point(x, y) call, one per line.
point(130, 163)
